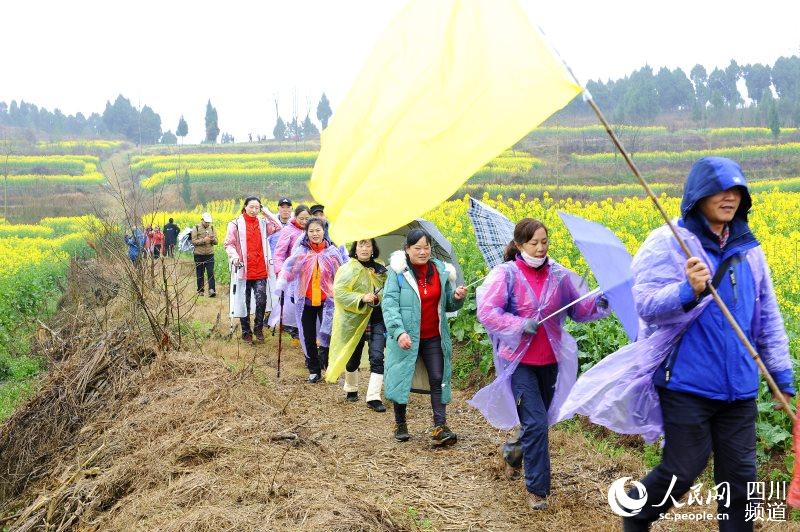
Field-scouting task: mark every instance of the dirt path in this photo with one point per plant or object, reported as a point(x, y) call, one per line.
point(461, 488)
point(209, 439)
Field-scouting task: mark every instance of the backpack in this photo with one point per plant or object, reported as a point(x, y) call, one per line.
point(185, 240)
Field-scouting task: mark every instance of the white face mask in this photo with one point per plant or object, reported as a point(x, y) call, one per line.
point(533, 262)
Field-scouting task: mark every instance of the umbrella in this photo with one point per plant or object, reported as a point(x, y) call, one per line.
point(440, 247)
point(493, 231)
point(611, 264)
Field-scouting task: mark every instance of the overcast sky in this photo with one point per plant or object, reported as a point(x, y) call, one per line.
point(175, 55)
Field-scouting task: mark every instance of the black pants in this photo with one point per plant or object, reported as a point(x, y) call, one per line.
point(377, 344)
point(533, 388)
point(430, 350)
point(256, 288)
point(204, 263)
point(169, 250)
point(316, 357)
point(693, 428)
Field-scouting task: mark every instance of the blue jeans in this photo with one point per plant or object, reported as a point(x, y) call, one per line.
point(533, 388)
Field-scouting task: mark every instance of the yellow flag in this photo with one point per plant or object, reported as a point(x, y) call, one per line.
point(450, 85)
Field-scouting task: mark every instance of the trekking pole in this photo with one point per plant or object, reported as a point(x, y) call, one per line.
point(714, 294)
point(280, 335)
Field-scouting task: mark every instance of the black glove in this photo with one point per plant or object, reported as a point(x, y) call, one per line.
point(602, 302)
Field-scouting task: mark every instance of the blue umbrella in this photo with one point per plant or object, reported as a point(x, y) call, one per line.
point(611, 264)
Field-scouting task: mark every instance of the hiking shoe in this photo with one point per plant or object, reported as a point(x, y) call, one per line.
point(401, 432)
point(201, 292)
point(376, 405)
point(443, 436)
point(247, 337)
point(313, 378)
point(352, 397)
point(259, 335)
point(537, 503)
point(212, 293)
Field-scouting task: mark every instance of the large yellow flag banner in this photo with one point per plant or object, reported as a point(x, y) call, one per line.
point(450, 84)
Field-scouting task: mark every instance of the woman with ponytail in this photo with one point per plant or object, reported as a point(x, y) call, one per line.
point(536, 364)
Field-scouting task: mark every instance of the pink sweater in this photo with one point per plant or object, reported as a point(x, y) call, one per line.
point(540, 352)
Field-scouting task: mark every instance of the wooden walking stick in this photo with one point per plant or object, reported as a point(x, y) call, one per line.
point(714, 294)
point(793, 496)
point(280, 335)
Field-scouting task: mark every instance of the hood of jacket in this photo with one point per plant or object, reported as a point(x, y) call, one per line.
point(709, 176)
point(398, 264)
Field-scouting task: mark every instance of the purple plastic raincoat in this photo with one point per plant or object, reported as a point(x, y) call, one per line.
point(618, 392)
point(505, 301)
point(295, 277)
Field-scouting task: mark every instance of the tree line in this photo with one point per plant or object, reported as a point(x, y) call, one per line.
point(644, 96)
point(120, 119)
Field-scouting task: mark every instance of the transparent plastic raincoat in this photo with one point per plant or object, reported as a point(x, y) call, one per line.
point(505, 302)
point(351, 315)
point(618, 392)
point(295, 277)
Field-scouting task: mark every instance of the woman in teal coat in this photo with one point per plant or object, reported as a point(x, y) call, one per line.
point(417, 295)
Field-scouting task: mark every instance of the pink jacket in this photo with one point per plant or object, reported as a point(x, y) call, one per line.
point(236, 243)
point(283, 249)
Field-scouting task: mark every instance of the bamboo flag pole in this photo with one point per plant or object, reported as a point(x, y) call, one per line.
point(727, 313)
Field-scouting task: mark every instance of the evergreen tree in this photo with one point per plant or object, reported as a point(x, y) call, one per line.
point(212, 124)
point(324, 111)
point(279, 131)
point(309, 129)
point(182, 130)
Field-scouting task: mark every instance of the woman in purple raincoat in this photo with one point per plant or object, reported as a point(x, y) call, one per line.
point(536, 364)
point(307, 278)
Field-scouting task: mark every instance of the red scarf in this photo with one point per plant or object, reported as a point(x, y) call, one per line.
point(256, 266)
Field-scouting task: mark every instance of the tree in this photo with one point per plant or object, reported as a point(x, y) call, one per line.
point(699, 78)
point(186, 189)
point(212, 125)
point(757, 79)
point(324, 111)
point(786, 78)
point(182, 130)
point(675, 91)
point(309, 129)
point(697, 112)
point(293, 131)
point(716, 88)
point(149, 126)
point(168, 138)
point(732, 74)
point(279, 131)
point(641, 99)
point(773, 120)
point(120, 118)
